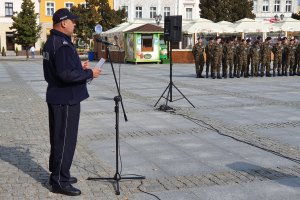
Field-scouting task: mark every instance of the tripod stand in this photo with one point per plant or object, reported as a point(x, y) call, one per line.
point(170, 85)
point(117, 177)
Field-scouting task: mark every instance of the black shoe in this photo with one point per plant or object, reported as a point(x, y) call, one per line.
point(206, 75)
point(72, 180)
point(291, 74)
point(201, 76)
point(219, 77)
point(67, 190)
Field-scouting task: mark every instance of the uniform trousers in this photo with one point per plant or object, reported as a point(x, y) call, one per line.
point(63, 126)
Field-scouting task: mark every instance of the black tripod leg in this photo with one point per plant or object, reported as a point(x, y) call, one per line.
point(162, 95)
point(183, 95)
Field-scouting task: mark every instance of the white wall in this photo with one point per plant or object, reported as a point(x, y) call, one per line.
point(6, 22)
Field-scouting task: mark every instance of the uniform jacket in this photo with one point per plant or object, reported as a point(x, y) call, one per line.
point(63, 71)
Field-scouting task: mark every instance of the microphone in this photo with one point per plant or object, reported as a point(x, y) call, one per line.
point(106, 42)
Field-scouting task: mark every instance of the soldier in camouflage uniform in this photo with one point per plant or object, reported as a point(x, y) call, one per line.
point(198, 52)
point(266, 57)
point(292, 55)
point(229, 50)
point(224, 65)
point(297, 70)
point(248, 44)
point(285, 44)
point(217, 58)
point(242, 57)
point(277, 63)
point(209, 55)
point(235, 58)
point(255, 58)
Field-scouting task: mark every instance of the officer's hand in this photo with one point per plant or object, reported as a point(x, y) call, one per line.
point(96, 72)
point(85, 65)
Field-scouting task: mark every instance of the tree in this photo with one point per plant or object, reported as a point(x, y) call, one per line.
point(228, 10)
point(26, 31)
point(95, 12)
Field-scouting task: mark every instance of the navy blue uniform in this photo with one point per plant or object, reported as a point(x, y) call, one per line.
point(66, 89)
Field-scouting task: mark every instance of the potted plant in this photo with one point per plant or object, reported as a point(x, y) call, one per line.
point(91, 52)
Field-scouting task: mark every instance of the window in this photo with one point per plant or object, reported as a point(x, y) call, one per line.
point(277, 6)
point(9, 11)
point(83, 5)
point(69, 5)
point(255, 5)
point(152, 12)
point(126, 10)
point(147, 44)
point(288, 6)
point(166, 11)
point(138, 12)
point(49, 8)
point(265, 5)
point(189, 13)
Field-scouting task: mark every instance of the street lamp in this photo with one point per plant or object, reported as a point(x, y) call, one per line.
point(157, 19)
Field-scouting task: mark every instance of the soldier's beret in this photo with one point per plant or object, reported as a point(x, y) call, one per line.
point(268, 38)
point(248, 40)
point(258, 37)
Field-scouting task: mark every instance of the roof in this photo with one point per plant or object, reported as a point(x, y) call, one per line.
point(147, 28)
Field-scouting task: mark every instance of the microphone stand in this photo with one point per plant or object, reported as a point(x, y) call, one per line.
point(117, 177)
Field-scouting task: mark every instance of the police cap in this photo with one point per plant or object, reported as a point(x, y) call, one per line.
point(63, 14)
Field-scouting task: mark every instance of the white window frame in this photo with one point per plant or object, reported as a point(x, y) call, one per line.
point(288, 6)
point(69, 2)
point(46, 10)
point(7, 9)
point(255, 5)
point(167, 11)
point(138, 12)
point(276, 6)
point(152, 12)
point(83, 4)
point(265, 5)
point(189, 14)
point(126, 10)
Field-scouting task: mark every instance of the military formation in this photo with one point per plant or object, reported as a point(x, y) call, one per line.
point(244, 58)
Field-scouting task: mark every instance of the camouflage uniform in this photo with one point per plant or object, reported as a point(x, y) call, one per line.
point(198, 52)
point(235, 59)
point(293, 58)
point(290, 59)
point(255, 59)
point(209, 57)
point(242, 58)
point(297, 70)
point(284, 59)
point(277, 63)
point(217, 58)
point(266, 59)
point(248, 45)
point(229, 51)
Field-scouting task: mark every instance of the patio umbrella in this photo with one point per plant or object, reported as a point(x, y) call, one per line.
point(288, 25)
point(201, 25)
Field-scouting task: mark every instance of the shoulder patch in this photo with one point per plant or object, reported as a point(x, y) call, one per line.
point(65, 42)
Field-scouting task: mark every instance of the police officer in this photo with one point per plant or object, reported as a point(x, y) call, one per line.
point(66, 77)
point(198, 52)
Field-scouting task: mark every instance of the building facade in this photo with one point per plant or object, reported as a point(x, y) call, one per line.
point(7, 9)
point(140, 9)
point(268, 9)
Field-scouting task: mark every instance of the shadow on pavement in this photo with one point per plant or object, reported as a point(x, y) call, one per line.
point(21, 159)
point(266, 173)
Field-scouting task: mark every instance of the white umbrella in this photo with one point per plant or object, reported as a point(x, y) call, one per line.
point(247, 25)
point(226, 26)
point(201, 25)
point(288, 25)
